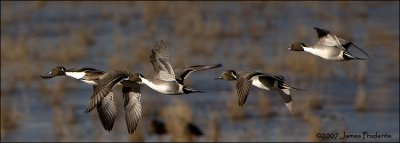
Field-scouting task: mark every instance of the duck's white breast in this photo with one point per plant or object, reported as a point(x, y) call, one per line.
point(76, 75)
point(162, 88)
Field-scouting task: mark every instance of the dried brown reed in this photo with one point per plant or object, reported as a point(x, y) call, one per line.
point(213, 127)
point(199, 47)
point(307, 65)
point(57, 93)
point(137, 136)
point(189, 23)
point(361, 99)
point(314, 101)
point(140, 51)
point(153, 10)
point(180, 60)
point(382, 38)
point(264, 106)
point(256, 30)
point(58, 122)
point(152, 104)
point(36, 5)
point(71, 49)
point(301, 30)
point(70, 115)
point(176, 117)
point(314, 123)
point(255, 58)
point(10, 117)
point(235, 112)
point(236, 25)
point(119, 62)
point(360, 75)
point(10, 88)
point(16, 61)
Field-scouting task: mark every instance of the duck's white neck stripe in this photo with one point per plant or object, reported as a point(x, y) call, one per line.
point(148, 83)
point(144, 81)
point(77, 75)
point(234, 76)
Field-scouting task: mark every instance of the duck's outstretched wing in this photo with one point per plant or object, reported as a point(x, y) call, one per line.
point(243, 86)
point(105, 86)
point(133, 107)
point(159, 57)
point(348, 44)
point(287, 98)
point(327, 39)
point(185, 72)
point(107, 111)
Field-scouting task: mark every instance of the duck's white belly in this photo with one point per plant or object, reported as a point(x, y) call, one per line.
point(328, 53)
point(162, 88)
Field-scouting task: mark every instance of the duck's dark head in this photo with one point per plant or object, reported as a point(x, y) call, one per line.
point(228, 75)
point(137, 77)
point(297, 46)
point(56, 71)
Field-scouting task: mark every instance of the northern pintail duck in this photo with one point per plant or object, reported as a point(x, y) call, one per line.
point(165, 81)
point(260, 80)
point(85, 74)
point(328, 47)
point(103, 97)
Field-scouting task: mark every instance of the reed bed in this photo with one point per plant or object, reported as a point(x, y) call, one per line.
point(176, 117)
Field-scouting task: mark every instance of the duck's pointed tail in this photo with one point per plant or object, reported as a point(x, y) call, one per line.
point(290, 87)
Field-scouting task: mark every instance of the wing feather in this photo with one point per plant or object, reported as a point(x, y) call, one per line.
point(287, 98)
point(188, 70)
point(133, 108)
point(105, 86)
point(160, 60)
point(107, 111)
point(243, 86)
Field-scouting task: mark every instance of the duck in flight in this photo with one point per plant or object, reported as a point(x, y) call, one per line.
point(165, 81)
point(260, 80)
point(329, 47)
point(103, 97)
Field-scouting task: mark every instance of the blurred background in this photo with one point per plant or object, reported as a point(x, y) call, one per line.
point(351, 96)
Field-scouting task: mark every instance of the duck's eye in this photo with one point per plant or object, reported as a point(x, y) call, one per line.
point(63, 69)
